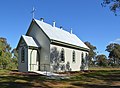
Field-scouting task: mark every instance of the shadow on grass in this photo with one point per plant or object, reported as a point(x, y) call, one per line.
point(94, 85)
point(22, 82)
point(21, 85)
point(98, 79)
point(105, 75)
point(14, 85)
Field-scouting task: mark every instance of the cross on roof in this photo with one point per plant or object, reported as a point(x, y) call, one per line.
point(33, 12)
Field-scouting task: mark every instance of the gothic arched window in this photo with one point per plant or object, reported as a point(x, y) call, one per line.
point(82, 57)
point(22, 55)
point(86, 57)
point(73, 56)
point(62, 55)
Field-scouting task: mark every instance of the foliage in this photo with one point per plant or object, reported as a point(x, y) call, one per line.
point(15, 58)
point(54, 55)
point(92, 53)
point(68, 66)
point(5, 54)
point(6, 61)
point(114, 53)
point(83, 63)
point(114, 5)
point(55, 60)
point(101, 60)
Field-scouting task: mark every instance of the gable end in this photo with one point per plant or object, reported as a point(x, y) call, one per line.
point(30, 28)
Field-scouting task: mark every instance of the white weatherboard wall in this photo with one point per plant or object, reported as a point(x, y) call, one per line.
point(32, 60)
point(44, 42)
point(75, 66)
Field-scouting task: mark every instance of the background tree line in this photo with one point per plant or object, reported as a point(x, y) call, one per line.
point(95, 59)
point(8, 57)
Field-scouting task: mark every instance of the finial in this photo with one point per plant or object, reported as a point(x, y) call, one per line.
point(54, 23)
point(71, 30)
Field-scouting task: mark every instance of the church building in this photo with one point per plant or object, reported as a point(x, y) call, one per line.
point(46, 47)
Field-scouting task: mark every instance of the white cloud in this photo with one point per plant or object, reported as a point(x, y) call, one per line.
point(115, 41)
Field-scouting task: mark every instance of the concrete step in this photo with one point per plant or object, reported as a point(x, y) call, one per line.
point(46, 73)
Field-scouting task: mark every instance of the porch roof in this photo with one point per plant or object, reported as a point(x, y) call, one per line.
point(30, 41)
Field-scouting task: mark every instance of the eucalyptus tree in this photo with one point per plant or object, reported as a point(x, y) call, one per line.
point(92, 53)
point(101, 60)
point(114, 53)
point(114, 5)
point(5, 53)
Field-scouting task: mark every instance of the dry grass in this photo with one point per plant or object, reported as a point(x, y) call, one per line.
point(109, 78)
point(103, 68)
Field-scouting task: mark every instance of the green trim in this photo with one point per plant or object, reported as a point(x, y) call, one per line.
point(32, 47)
point(68, 45)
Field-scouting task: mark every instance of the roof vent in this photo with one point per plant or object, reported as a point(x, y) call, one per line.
point(61, 27)
point(42, 19)
point(71, 31)
point(54, 23)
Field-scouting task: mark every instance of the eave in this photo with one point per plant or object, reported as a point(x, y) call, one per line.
point(68, 45)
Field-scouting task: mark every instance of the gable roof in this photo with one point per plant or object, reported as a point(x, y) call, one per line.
point(28, 40)
point(61, 35)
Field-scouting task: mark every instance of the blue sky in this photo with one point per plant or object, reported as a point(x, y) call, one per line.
point(88, 20)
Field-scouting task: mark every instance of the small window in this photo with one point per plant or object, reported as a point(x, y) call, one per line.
point(73, 57)
point(62, 55)
point(22, 55)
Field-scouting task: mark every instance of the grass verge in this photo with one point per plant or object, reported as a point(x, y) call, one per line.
point(89, 79)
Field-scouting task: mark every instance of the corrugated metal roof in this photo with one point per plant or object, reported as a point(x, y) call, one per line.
point(29, 41)
point(58, 34)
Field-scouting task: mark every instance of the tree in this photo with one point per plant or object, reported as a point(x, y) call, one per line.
point(92, 53)
point(5, 54)
point(114, 53)
point(54, 55)
point(15, 58)
point(114, 5)
point(101, 60)
point(54, 58)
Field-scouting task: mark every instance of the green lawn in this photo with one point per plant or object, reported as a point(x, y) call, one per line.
point(89, 79)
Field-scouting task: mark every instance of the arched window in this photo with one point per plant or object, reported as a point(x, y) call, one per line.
point(22, 55)
point(62, 55)
point(86, 57)
point(82, 57)
point(73, 56)
point(86, 54)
